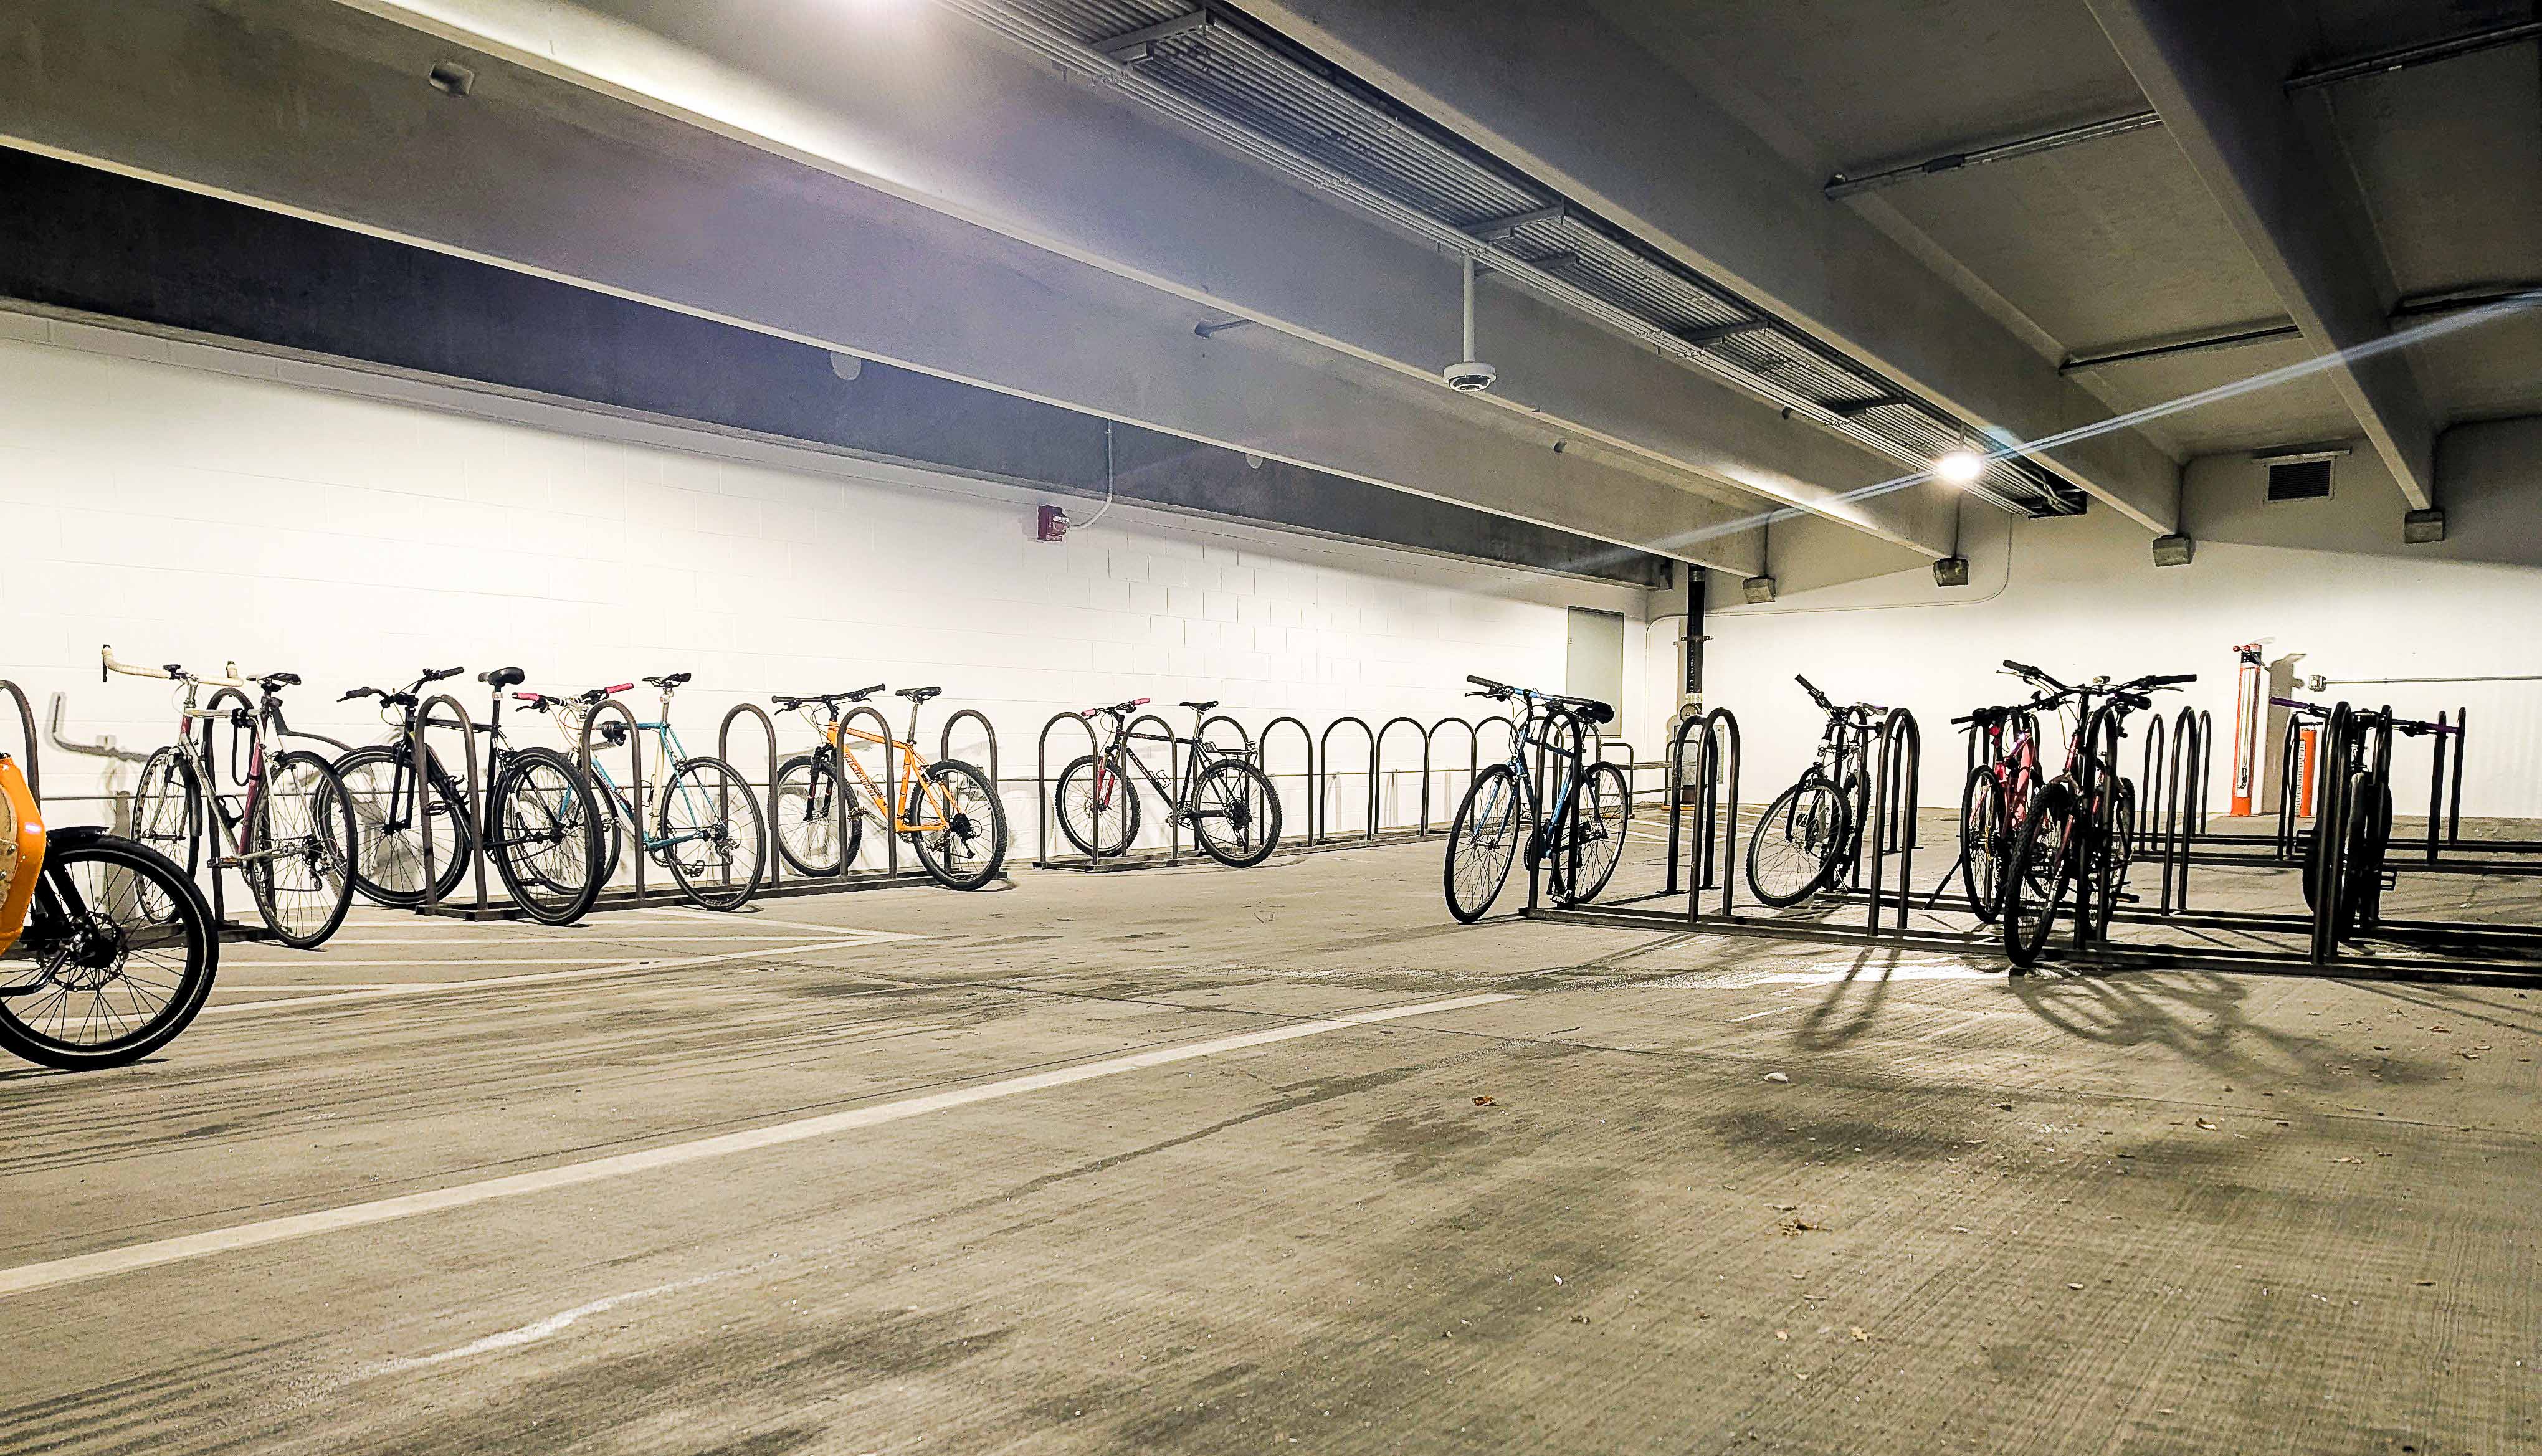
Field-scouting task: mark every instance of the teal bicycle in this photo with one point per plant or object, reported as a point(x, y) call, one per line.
point(704, 828)
point(1577, 836)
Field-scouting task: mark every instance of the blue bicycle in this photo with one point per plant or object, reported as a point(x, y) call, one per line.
point(706, 828)
point(1578, 837)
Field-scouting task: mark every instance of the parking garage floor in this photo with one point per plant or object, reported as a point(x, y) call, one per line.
point(1191, 1160)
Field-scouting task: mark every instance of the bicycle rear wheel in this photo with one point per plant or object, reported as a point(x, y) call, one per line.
point(1799, 842)
point(301, 850)
point(1596, 843)
point(117, 956)
point(544, 836)
point(1484, 842)
point(710, 833)
point(961, 828)
point(1235, 813)
point(2037, 874)
point(805, 807)
point(1982, 840)
point(381, 785)
point(1100, 813)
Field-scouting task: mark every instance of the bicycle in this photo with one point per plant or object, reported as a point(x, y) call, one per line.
point(706, 828)
point(544, 839)
point(1998, 792)
point(290, 833)
point(107, 948)
point(1226, 799)
point(1578, 837)
point(1810, 834)
point(951, 816)
point(2366, 779)
point(2081, 828)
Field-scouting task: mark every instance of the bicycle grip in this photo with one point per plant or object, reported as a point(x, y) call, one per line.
point(2171, 680)
point(614, 692)
point(2023, 667)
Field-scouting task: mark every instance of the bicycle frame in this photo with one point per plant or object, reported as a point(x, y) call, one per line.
point(840, 733)
point(668, 758)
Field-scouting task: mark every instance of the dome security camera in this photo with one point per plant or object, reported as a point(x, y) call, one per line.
point(1470, 376)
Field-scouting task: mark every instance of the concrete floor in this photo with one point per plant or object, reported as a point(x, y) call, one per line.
point(1097, 1164)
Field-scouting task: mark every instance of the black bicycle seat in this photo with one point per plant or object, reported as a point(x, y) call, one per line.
point(919, 695)
point(275, 681)
point(1202, 708)
point(1598, 713)
point(503, 677)
point(666, 683)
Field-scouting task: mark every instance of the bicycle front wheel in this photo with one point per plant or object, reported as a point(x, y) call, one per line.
point(2035, 874)
point(1098, 808)
point(546, 838)
point(117, 956)
point(381, 784)
point(168, 810)
point(1596, 837)
point(710, 833)
point(301, 850)
point(1799, 842)
point(1235, 813)
point(958, 827)
point(1484, 842)
point(1982, 840)
point(807, 805)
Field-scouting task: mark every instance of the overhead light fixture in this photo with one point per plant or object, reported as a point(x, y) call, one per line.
point(1758, 590)
point(1960, 468)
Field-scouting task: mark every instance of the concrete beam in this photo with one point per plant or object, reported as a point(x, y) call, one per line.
point(2217, 74)
point(320, 112)
point(930, 107)
point(1554, 89)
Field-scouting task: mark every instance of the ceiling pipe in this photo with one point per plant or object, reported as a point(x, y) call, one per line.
point(2417, 306)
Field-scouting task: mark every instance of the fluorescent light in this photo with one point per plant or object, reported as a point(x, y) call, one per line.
point(1960, 468)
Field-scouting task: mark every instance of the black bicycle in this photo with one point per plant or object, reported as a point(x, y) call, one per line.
point(1810, 834)
point(545, 838)
point(1228, 801)
point(2363, 772)
point(1577, 836)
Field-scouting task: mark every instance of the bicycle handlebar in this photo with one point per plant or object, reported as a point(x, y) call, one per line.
point(107, 662)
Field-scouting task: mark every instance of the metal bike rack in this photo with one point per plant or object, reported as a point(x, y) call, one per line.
point(1324, 751)
point(419, 751)
point(1314, 784)
point(891, 814)
point(1046, 786)
point(775, 883)
point(30, 763)
point(1473, 759)
point(1377, 776)
point(1715, 780)
point(635, 833)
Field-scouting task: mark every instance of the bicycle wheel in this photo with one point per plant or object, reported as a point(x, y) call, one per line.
point(961, 828)
point(709, 832)
point(1235, 813)
point(389, 867)
point(2116, 850)
point(2035, 874)
point(1597, 844)
point(1099, 821)
point(805, 807)
point(545, 838)
point(1484, 842)
point(2370, 834)
point(301, 850)
point(1982, 840)
point(168, 810)
point(104, 975)
point(1799, 842)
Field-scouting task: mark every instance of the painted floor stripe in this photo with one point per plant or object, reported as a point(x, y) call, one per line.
point(570, 938)
point(544, 978)
point(131, 1257)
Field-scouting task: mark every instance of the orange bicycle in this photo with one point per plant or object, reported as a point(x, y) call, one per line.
point(950, 812)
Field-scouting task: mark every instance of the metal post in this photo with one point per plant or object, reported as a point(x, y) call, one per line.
point(1046, 788)
point(2436, 791)
point(1377, 756)
point(28, 762)
point(1326, 752)
point(889, 809)
point(634, 782)
point(1315, 785)
point(420, 747)
point(724, 751)
point(2453, 800)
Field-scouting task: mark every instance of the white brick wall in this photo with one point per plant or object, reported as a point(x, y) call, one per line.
point(195, 505)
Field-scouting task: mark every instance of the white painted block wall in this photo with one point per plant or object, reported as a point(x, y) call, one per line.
point(2080, 596)
point(195, 505)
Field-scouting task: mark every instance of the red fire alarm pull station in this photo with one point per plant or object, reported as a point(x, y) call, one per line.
point(1054, 524)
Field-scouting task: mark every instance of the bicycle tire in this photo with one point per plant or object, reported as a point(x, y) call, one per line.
point(168, 810)
point(1483, 839)
point(387, 855)
point(734, 829)
point(189, 921)
point(2117, 848)
point(2370, 834)
point(1811, 842)
point(1091, 828)
point(1983, 842)
point(1234, 792)
point(544, 836)
point(980, 828)
point(1589, 861)
point(2036, 876)
point(803, 810)
point(321, 840)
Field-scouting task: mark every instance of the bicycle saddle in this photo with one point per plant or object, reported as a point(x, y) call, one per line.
point(503, 677)
point(275, 681)
point(668, 682)
point(1202, 708)
point(919, 695)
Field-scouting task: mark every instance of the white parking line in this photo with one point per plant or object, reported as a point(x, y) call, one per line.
point(131, 1257)
point(739, 917)
point(382, 991)
point(826, 934)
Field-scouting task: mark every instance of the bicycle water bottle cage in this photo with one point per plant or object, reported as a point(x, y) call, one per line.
point(498, 680)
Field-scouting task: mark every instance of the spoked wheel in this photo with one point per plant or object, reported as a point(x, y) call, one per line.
point(1483, 840)
point(302, 849)
point(1799, 844)
point(805, 806)
point(546, 838)
point(2116, 850)
point(388, 868)
point(117, 956)
point(1982, 840)
point(2369, 835)
point(1235, 813)
point(714, 839)
point(168, 810)
point(961, 828)
point(2037, 875)
point(1098, 808)
point(1596, 840)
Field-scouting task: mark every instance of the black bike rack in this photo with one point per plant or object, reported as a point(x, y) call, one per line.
point(1323, 785)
